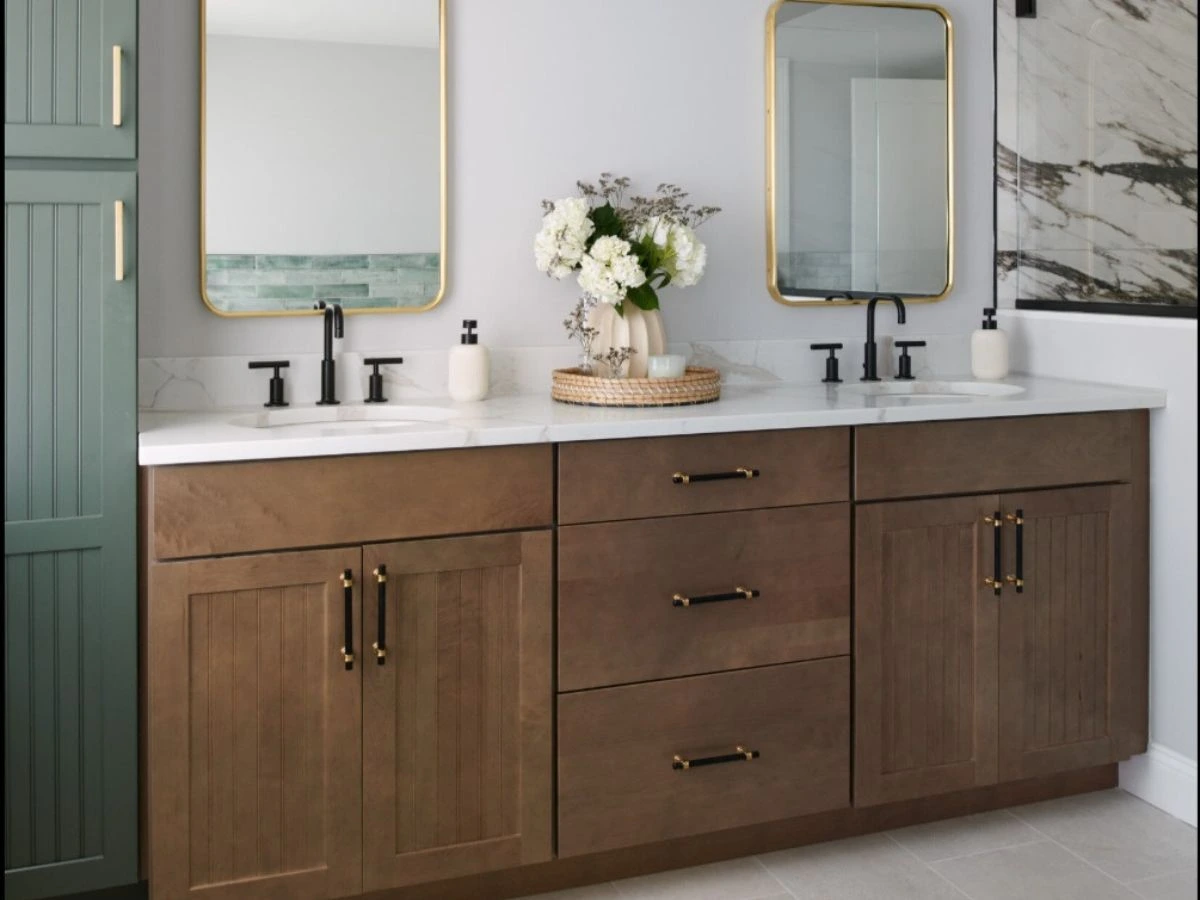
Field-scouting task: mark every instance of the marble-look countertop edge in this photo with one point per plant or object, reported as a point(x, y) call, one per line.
point(206, 437)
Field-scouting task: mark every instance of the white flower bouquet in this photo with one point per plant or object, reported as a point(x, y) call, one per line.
point(620, 251)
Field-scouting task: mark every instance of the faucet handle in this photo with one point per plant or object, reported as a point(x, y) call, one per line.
point(276, 385)
point(831, 364)
point(905, 363)
point(375, 380)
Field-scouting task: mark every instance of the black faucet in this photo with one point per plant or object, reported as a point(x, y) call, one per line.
point(333, 329)
point(870, 361)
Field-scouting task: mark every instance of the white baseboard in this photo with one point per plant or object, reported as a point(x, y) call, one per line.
point(1164, 779)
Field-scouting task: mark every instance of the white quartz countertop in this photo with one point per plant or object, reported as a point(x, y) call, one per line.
point(173, 438)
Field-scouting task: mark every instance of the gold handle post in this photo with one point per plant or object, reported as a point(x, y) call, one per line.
point(119, 240)
point(116, 86)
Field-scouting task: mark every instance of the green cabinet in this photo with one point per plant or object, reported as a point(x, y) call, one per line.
point(70, 538)
point(70, 83)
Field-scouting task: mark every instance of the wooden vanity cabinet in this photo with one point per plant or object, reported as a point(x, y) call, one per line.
point(958, 685)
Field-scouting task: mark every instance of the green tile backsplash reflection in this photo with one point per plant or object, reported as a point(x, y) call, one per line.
point(273, 282)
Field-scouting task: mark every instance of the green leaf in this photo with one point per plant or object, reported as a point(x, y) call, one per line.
point(607, 222)
point(643, 297)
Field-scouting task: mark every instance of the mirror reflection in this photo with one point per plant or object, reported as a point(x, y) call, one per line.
point(860, 122)
point(323, 155)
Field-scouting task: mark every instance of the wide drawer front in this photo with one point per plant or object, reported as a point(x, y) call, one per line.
point(921, 459)
point(210, 510)
point(603, 481)
point(661, 598)
point(651, 762)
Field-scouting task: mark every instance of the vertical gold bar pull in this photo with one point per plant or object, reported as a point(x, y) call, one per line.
point(116, 86)
point(119, 240)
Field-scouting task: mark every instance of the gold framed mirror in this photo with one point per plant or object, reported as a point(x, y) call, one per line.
point(322, 156)
point(860, 151)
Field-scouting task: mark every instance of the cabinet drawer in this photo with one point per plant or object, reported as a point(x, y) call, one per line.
point(246, 507)
point(602, 481)
point(618, 781)
point(619, 619)
point(976, 456)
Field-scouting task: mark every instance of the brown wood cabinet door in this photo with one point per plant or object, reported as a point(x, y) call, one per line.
point(457, 715)
point(1066, 641)
point(255, 728)
point(925, 649)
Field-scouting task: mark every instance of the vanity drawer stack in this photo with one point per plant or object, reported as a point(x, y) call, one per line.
point(703, 634)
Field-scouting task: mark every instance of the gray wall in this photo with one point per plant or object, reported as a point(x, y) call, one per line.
point(542, 93)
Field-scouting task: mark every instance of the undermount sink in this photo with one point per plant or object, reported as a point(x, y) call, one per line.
point(345, 418)
point(934, 390)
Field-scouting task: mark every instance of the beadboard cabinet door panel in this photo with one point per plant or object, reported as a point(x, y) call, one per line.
point(70, 85)
point(255, 728)
point(457, 731)
point(925, 649)
point(1066, 640)
point(69, 534)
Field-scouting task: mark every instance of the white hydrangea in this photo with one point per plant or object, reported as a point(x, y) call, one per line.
point(608, 272)
point(686, 256)
point(560, 246)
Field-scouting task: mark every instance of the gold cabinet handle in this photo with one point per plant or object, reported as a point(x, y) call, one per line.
point(740, 473)
point(116, 86)
point(119, 240)
point(741, 754)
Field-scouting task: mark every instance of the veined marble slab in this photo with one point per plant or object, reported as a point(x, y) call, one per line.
point(1097, 152)
point(191, 437)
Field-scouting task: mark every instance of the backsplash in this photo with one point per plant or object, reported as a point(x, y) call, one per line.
point(256, 282)
point(225, 382)
point(1096, 152)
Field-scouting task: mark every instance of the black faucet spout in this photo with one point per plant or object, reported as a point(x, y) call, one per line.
point(334, 328)
point(870, 354)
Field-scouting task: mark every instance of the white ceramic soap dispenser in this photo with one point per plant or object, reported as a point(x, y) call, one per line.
point(989, 349)
point(469, 366)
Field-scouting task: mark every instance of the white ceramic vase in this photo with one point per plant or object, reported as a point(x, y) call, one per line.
point(637, 329)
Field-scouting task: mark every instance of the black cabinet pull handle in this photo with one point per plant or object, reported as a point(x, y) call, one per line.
point(348, 593)
point(996, 581)
point(380, 645)
point(1018, 580)
point(740, 474)
point(739, 593)
point(682, 764)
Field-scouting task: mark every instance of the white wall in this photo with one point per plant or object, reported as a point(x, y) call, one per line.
point(350, 136)
point(542, 93)
point(1159, 353)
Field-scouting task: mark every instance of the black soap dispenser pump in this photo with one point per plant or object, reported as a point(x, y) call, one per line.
point(470, 366)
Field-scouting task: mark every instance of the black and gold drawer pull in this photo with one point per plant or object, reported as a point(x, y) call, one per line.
point(741, 474)
point(996, 580)
point(739, 593)
point(380, 646)
point(348, 595)
point(681, 764)
point(1018, 580)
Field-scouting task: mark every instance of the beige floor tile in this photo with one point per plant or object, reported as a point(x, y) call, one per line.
point(592, 892)
point(867, 868)
point(1167, 887)
point(1117, 833)
point(1034, 872)
point(739, 879)
point(939, 841)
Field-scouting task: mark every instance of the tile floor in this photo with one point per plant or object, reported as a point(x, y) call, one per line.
point(1103, 846)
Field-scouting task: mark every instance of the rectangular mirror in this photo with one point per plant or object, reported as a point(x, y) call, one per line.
point(860, 151)
point(323, 162)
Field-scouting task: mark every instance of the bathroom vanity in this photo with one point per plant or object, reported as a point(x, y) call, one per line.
point(611, 644)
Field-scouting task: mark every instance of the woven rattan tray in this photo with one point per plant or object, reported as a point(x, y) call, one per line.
point(697, 385)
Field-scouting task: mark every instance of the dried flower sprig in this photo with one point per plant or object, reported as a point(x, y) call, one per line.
point(615, 359)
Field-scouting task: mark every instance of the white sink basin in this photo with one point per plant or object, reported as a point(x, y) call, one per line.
point(934, 390)
point(336, 419)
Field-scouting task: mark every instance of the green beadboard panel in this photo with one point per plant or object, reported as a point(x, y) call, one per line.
point(70, 534)
point(58, 78)
point(270, 282)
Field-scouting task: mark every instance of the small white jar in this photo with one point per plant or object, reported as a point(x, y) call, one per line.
point(470, 367)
